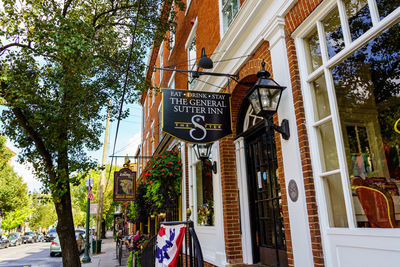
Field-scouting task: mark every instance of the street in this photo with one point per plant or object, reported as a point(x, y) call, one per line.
point(36, 254)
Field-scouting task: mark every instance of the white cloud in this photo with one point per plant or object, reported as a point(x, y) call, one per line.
point(131, 146)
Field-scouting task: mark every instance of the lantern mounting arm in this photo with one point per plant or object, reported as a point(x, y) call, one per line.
point(283, 129)
point(197, 74)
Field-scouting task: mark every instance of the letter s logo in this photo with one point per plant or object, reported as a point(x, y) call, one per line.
point(195, 120)
point(396, 128)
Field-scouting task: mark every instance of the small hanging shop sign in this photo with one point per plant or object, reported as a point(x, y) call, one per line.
point(196, 116)
point(124, 185)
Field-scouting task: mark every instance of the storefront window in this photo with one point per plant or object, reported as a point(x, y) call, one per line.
point(205, 193)
point(353, 114)
point(367, 87)
point(320, 98)
point(359, 17)
point(386, 7)
point(333, 33)
point(313, 50)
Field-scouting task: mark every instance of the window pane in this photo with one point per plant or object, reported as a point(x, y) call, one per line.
point(205, 193)
point(359, 17)
point(333, 33)
point(320, 99)
point(327, 144)
point(335, 201)
point(367, 86)
point(313, 50)
point(229, 10)
point(385, 7)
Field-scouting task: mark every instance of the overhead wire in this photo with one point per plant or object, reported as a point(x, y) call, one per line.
point(124, 89)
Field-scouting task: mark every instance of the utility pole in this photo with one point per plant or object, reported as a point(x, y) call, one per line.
point(99, 217)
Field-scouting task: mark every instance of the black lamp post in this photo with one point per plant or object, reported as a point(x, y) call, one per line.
point(203, 152)
point(265, 97)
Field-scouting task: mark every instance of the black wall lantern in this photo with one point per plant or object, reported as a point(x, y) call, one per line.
point(203, 152)
point(264, 97)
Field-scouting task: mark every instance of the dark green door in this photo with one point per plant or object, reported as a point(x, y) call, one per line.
point(265, 200)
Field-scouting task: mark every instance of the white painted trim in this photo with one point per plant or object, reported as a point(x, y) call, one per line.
point(191, 35)
point(298, 212)
point(241, 173)
point(312, 135)
point(188, 2)
point(172, 79)
point(330, 244)
point(209, 236)
point(184, 179)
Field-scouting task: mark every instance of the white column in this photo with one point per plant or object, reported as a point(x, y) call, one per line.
point(244, 200)
point(298, 218)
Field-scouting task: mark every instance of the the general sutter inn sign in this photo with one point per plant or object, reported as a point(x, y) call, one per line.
point(196, 116)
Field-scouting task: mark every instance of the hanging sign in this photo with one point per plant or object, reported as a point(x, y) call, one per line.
point(124, 185)
point(196, 116)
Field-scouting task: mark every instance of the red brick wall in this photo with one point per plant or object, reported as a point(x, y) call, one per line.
point(230, 199)
point(293, 19)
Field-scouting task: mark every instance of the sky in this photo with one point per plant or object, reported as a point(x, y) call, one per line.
point(129, 137)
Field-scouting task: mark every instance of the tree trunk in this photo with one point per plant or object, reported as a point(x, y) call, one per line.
point(66, 230)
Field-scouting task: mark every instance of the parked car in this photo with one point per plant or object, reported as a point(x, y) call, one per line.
point(55, 247)
point(51, 234)
point(40, 237)
point(15, 239)
point(29, 237)
point(4, 242)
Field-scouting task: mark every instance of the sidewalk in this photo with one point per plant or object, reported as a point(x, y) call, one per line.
point(107, 256)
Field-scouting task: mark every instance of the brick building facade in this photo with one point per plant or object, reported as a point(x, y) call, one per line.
point(309, 47)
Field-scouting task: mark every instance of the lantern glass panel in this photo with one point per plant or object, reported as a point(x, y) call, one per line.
point(270, 98)
point(254, 101)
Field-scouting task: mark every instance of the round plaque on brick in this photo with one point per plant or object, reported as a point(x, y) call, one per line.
point(293, 190)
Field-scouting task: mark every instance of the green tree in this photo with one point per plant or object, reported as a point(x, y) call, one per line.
point(15, 218)
point(43, 212)
point(79, 196)
point(61, 64)
point(13, 191)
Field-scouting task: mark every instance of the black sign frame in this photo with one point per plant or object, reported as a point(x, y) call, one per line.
point(196, 117)
point(122, 189)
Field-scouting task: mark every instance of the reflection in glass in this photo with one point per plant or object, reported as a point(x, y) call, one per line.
point(333, 33)
point(359, 17)
point(385, 7)
point(229, 10)
point(320, 100)
point(329, 158)
point(335, 201)
point(367, 87)
point(313, 50)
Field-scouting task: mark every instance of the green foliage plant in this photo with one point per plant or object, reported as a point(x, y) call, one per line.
point(162, 177)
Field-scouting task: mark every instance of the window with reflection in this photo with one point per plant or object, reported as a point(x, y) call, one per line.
point(367, 87)
point(205, 193)
point(229, 10)
point(358, 103)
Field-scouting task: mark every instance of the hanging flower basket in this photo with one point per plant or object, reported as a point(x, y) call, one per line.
point(161, 178)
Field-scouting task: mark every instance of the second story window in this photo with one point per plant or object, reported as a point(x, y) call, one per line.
point(161, 53)
point(191, 53)
point(160, 123)
point(229, 9)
